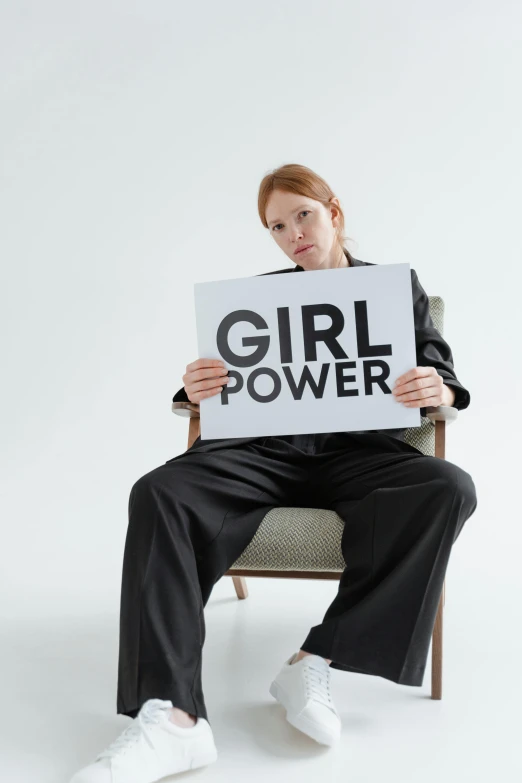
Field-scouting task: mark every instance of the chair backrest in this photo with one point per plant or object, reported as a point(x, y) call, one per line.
point(423, 437)
point(437, 312)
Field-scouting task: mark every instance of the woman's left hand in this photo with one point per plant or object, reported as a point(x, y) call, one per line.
point(422, 387)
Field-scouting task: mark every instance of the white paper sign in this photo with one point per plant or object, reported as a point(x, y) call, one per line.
point(308, 352)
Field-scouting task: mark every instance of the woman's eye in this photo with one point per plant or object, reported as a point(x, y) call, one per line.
point(301, 213)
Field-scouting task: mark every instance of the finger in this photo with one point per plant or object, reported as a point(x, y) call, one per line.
point(427, 403)
point(418, 394)
point(416, 372)
point(191, 378)
point(212, 383)
point(199, 363)
point(213, 392)
point(419, 383)
point(208, 393)
point(202, 375)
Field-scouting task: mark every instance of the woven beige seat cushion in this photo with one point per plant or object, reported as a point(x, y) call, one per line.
point(309, 539)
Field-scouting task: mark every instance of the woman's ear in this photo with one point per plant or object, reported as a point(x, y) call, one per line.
point(334, 212)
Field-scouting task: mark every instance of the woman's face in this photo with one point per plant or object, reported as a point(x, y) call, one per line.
point(296, 221)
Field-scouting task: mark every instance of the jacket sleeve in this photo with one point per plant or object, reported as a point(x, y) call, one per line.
point(432, 349)
point(181, 396)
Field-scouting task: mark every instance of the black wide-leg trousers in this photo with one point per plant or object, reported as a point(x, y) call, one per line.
point(191, 518)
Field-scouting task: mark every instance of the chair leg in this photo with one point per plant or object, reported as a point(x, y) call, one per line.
point(436, 650)
point(241, 586)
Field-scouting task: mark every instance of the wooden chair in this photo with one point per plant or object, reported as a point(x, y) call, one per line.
point(285, 544)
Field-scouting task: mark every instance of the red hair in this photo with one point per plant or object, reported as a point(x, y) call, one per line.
point(294, 178)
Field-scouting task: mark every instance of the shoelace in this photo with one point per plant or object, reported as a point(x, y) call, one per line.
point(148, 715)
point(317, 680)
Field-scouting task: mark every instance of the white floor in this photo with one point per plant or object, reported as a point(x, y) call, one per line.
point(59, 691)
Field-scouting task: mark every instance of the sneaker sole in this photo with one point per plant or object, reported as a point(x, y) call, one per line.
point(300, 722)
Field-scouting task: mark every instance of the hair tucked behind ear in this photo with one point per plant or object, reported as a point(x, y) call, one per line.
point(295, 178)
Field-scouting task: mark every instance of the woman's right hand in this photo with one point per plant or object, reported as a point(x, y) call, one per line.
point(204, 378)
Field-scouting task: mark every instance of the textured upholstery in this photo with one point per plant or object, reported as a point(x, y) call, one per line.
point(309, 539)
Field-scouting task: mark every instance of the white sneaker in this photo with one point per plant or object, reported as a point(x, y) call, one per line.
point(303, 688)
point(151, 748)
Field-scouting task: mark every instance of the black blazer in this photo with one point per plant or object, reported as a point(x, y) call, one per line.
point(431, 349)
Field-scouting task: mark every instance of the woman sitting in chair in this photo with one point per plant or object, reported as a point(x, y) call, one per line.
point(192, 517)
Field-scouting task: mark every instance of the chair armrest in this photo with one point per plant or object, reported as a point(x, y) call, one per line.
point(190, 409)
point(442, 413)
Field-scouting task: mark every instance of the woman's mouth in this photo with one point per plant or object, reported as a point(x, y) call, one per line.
point(303, 250)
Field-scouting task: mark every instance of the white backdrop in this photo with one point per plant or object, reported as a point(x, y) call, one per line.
point(133, 139)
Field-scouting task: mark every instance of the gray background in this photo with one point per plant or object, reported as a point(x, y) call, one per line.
point(133, 138)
